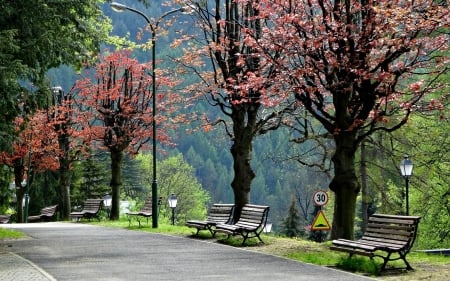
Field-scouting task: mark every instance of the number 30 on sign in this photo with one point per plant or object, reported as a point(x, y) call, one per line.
point(320, 198)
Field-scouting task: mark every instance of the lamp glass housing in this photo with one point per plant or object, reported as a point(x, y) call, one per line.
point(406, 167)
point(107, 200)
point(117, 7)
point(173, 201)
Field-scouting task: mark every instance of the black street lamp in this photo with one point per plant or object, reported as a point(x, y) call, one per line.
point(120, 8)
point(173, 204)
point(406, 168)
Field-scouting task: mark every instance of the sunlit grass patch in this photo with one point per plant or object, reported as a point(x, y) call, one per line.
point(10, 234)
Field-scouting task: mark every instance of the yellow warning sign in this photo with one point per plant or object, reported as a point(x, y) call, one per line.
point(320, 222)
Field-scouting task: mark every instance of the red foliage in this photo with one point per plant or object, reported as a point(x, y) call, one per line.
point(350, 64)
point(38, 140)
point(117, 104)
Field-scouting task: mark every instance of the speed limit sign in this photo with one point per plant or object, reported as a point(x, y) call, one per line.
point(320, 198)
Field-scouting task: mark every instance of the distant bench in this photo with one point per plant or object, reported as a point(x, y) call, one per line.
point(218, 214)
point(145, 212)
point(47, 214)
point(5, 218)
point(251, 223)
point(385, 233)
point(91, 209)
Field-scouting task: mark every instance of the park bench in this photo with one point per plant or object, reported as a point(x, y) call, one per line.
point(145, 212)
point(47, 214)
point(385, 233)
point(251, 223)
point(5, 218)
point(218, 214)
point(91, 209)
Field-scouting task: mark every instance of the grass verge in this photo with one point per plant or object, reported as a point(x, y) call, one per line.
point(10, 234)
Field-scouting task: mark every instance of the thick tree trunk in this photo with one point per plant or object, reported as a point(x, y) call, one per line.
point(116, 182)
point(243, 176)
point(243, 128)
point(345, 185)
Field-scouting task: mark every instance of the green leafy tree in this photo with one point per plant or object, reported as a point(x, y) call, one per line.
point(36, 36)
point(178, 177)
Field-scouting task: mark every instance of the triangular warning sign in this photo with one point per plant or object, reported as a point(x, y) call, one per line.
point(320, 222)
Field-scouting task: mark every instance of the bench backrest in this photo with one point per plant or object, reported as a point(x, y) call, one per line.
point(253, 216)
point(92, 205)
point(399, 231)
point(147, 208)
point(221, 213)
point(49, 211)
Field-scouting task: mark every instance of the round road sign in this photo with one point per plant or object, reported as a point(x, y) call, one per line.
point(320, 198)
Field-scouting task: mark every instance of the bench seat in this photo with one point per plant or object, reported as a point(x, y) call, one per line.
point(385, 233)
point(251, 223)
point(218, 214)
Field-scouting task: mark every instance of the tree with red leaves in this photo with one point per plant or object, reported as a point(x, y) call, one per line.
point(357, 67)
point(116, 111)
point(34, 150)
point(246, 112)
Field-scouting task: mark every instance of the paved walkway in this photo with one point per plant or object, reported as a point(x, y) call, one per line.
point(71, 251)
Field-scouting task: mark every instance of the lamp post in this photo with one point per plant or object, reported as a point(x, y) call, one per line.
point(406, 168)
point(120, 8)
point(107, 199)
point(173, 204)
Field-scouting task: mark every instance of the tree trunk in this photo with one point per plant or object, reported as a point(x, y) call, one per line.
point(345, 185)
point(64, 173)
point(241, 150)
point(20, 191)
point(64, 184)
point(364, 189)
point(243, 175)
point(116, 182)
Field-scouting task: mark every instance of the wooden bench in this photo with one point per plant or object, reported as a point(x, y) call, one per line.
point(145, 212)
point(5, 218)
point(218, 214)
point(47, 214)
point(384, 233)
point(91, 209)
point(251, 223)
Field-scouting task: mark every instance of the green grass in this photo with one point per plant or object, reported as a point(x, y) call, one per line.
point(10, 234)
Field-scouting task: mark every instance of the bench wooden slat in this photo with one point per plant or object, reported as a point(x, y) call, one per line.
point(388, 233)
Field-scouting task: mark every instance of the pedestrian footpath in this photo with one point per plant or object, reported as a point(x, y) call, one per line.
point(75, 251)
point(15, 268)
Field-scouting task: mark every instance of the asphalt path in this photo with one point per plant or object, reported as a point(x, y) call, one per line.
point(75, 251)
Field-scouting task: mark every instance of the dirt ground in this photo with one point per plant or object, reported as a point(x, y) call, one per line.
point(422, 271)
